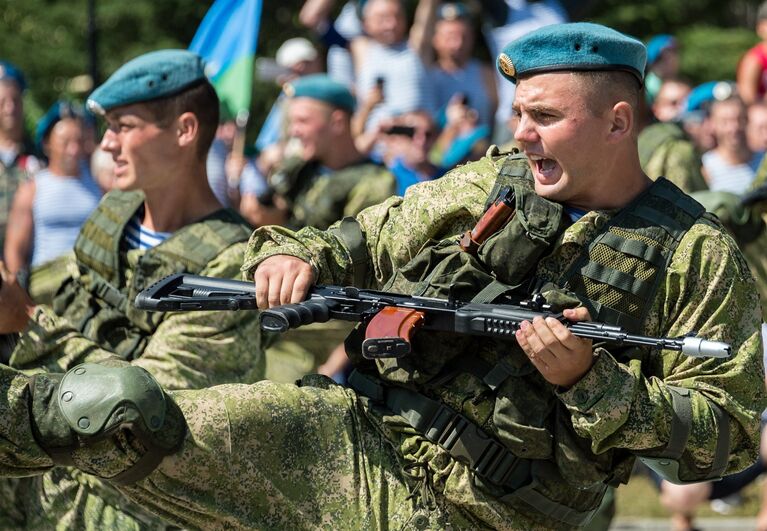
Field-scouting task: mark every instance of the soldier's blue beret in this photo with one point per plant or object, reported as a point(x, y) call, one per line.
point(57, 112)
point(579, 46)
point(322, 88)
point(453, 11)
point(147, 77)
point(657, 45)
point(708, 92)
point(11, 72)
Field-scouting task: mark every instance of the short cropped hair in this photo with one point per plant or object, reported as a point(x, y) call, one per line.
point(608, 87)
point(201, 100)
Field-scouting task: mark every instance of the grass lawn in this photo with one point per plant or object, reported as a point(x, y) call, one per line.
point(639, 499)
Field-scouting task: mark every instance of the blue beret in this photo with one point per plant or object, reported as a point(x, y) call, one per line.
point(696, 109)
point(453, 11)
point(57, 112)
point(321, 87)
point(708, 92)
point(148, 77)
point(657, 45)
point(569, 47)
point(10, 72)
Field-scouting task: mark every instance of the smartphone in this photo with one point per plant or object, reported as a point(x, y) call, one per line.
point(380, 80)
point(404, 130)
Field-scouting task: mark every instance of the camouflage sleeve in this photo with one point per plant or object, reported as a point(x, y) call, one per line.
point(188, 349)
point(394, 230)
point(20, 455)
point(683, 166)
point(372, 190)
point(709, 291)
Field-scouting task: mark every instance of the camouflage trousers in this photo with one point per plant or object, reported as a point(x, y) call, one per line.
point(65, 499)
point(280, 456)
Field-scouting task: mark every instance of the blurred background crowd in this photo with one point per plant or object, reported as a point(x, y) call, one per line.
point(348, 103)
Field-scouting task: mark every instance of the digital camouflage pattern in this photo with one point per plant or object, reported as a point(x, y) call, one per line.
point(281, 456)
point(666, 151)
point(318, 197)
point(186, 350)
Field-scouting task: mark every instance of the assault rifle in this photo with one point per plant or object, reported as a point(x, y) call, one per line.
point(391, 318)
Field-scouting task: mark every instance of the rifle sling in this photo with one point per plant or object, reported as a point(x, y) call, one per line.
point(461, 438)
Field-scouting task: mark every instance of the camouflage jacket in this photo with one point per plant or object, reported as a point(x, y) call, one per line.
point(318, 198)
point(665, 150)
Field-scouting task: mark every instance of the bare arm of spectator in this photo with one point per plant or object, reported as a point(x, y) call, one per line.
point(18, 238)
point(260, 215)
point(358, 47)
point(360, 118)
point(749, 72)
point(315, 12)
point(422, 30)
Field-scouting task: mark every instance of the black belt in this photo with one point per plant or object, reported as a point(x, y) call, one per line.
point(460, 437)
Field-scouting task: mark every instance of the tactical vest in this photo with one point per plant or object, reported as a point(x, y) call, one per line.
point(481, 399)
point(97, 300)
point(317, 200)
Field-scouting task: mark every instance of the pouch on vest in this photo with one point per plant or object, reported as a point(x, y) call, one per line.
point(513, 251)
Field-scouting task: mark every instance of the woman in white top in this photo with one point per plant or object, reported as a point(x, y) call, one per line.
point(49, 209)
point(731, 166)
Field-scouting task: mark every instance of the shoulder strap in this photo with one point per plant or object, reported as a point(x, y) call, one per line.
point(514, 167)
point(98, 244)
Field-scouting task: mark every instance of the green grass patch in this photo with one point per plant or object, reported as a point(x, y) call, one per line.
point(639, 499)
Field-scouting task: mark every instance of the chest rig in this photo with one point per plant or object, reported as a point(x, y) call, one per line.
point(481, 399)
point(98, 300)
point(315, 199)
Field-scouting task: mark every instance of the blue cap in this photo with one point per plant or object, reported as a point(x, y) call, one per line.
point(453, 11)
point(708, 92)
point(579, 46)
point(657, 45)
point(322, 88)
point(147, 77)
point(10, 72)
point(57, 112)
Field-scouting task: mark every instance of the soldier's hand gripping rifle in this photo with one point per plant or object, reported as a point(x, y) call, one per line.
point(391, 318)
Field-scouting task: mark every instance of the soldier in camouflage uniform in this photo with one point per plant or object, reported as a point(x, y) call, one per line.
point(665, 150)
point(329, 181)
point(161, 114)
point(16, 160)
point(463, 433)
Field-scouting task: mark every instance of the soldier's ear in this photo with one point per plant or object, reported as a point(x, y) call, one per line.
point(621, 122)
point(338, 119)
point(187, 129)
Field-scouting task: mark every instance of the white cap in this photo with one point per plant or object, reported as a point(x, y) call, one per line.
point(294, 51)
